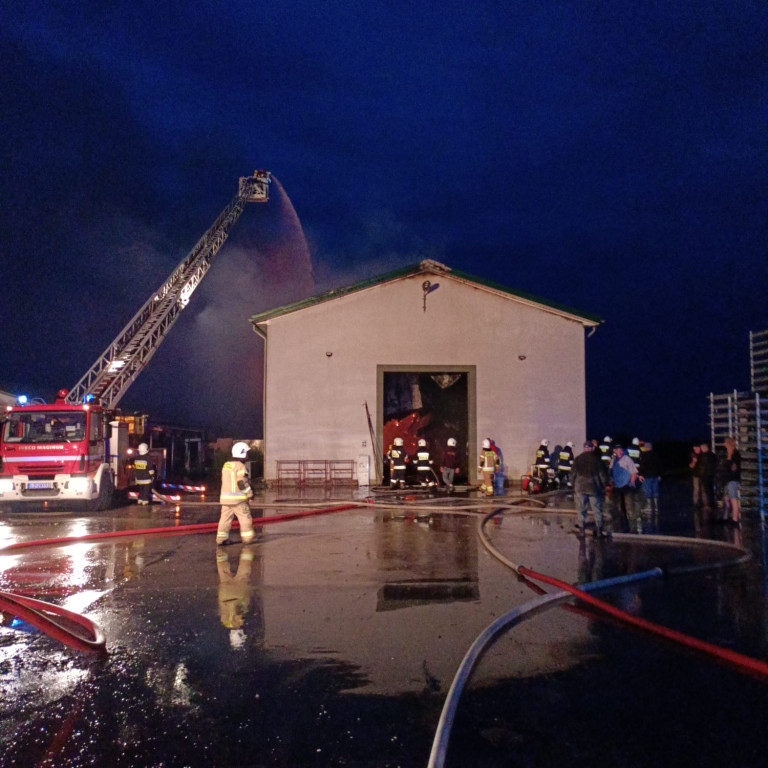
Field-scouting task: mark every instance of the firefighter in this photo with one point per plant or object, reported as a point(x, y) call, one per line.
point(633, 451)
point(565, 464)
point(398, 459)
point(234, 592)
point(235, 492)
point(542, 457)
point(488, 465)
point(144, 473)
point(606, 452)
point(424, 465)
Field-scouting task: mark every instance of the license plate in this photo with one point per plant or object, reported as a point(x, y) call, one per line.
point(39, 486)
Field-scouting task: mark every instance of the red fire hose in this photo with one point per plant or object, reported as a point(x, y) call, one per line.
point(38, 613)
point(738, 660)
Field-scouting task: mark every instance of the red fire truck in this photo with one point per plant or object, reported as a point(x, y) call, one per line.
point(62, 452)
point(76, 449)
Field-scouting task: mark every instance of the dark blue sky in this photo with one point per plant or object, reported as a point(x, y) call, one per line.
point(610, 156)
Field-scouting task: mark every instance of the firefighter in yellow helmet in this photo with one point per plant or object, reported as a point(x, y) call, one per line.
point(488, 465)
point(235, 492)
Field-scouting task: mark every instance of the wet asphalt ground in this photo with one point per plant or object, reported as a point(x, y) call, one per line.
point(334, 639)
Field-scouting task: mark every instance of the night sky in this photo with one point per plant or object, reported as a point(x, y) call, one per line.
point(610, 156)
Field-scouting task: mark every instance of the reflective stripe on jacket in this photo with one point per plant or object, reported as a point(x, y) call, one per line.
point(423, 461)
point(233, 475)
point(397, 457)
point(565, 460)
point(143, 472)
point(489, 461)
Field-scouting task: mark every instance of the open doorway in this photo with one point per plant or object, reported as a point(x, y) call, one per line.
point(430, 402)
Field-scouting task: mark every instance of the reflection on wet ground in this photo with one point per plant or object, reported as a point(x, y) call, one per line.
point(334, 639)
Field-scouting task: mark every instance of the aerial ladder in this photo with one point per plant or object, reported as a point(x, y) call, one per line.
point(75, 450)
point(107, 380)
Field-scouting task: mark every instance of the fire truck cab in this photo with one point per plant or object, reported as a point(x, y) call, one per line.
point(62, 452)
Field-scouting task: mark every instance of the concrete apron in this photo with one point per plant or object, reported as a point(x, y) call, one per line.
point(335, 638)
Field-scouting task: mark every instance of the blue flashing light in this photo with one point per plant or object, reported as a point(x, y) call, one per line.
point(88, 399)
point(21, 400)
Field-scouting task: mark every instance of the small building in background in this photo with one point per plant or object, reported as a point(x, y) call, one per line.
point(178, 452)
point(422, 352)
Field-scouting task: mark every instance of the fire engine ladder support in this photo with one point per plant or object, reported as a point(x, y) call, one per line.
point(124, 359)
point(758, 361)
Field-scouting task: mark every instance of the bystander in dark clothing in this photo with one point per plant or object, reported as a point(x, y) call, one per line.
point(650, 471)
point(589, 478)
point(695, 466)
point(707, 465)
point(498, 475)
point(449, 463)
point(731, 482)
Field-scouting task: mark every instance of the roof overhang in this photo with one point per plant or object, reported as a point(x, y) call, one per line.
point(430, 267)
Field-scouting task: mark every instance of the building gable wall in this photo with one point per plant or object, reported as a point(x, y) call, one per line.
point(321, 367)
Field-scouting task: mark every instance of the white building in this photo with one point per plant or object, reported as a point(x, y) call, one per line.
point(433, 353)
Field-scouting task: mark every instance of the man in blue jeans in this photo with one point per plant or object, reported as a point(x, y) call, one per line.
point(624, 491)
point(589, 479)
point(650, 472)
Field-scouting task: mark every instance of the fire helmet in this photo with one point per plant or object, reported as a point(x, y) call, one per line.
point(544, 442)
point(143, 449)
point(486, 443)
point(399, 442)
point(240, 450)
point(635, 441)
point(452, 442)
point(422, 443)
point(569, 444)
point(607, 439)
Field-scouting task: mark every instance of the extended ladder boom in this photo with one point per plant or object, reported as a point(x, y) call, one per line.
point(118, 366)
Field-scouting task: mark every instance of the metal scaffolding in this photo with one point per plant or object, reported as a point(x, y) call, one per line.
point(744, 416)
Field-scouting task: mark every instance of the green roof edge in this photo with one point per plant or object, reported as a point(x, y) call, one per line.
point(415, 269)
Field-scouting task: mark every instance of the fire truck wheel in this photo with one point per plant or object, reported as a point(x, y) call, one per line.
point(104, 499)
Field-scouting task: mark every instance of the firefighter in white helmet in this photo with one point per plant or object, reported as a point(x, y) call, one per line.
point(542, 456)
point(565, 464)
point(424, 465)
point(634, 451)
point(488, 465)
point(398, 459)
point(234, 592)
point(144, 473)
point(606, 451)
point(235, 492)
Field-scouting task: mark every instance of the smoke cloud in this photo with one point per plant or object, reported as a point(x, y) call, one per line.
point(212, 354)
